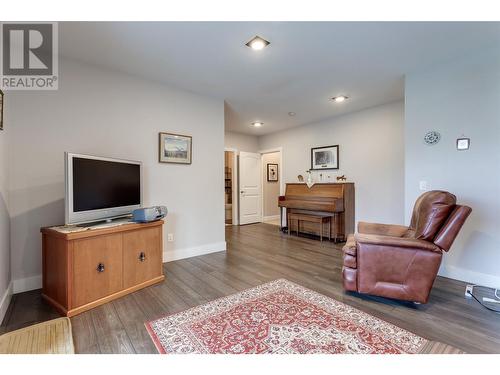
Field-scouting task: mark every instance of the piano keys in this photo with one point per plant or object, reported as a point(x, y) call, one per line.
point(335, 199)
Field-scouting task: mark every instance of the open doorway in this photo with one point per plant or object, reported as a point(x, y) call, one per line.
point(257, 183)
point(230, 187)
point(272, 182)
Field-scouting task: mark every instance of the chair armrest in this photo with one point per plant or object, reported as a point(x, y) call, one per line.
point(382, 229)
point(391, 241)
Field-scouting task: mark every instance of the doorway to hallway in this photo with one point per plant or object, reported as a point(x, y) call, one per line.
point(271, 186)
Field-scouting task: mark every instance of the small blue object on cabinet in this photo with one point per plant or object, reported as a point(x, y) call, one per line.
point(145, 215)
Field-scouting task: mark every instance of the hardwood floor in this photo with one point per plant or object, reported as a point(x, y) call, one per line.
point(257, 254)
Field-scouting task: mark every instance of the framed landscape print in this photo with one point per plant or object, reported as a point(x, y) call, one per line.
point(1, 110)
point(272, 172)
point(325, 157)
point(175, 148)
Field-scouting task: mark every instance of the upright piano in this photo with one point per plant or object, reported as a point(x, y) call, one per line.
point(336, 199)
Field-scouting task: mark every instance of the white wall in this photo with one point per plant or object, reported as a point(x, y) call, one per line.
point(458, 98)
point(106, 113)
point(371, 156)
point(241, 142)
point(5, 276)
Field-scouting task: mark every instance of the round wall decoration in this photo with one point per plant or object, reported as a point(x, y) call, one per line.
point(432, 137)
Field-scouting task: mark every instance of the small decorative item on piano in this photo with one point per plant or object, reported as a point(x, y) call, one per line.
point(309, 181)
point(300, 178)
point(341, 178)
point(325, 157)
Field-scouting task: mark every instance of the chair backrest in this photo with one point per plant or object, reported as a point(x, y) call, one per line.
point(430, 212)
point(449, 231)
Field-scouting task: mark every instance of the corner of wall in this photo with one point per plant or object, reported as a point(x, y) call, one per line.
point(6, 285)
point(5, 301)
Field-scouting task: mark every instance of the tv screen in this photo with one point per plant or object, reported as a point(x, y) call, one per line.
point(101, 184)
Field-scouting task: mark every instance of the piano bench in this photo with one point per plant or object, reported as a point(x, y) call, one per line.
point(311, 218)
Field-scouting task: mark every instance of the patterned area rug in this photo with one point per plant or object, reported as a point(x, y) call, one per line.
point(280, 317)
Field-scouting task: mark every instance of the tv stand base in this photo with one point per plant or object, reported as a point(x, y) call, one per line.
point(86, 268)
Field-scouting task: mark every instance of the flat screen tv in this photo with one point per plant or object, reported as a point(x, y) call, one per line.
point(99, 188)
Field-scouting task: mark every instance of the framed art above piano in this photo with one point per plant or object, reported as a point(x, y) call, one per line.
point(326, 157)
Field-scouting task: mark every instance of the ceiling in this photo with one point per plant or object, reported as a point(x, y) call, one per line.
point(305, 65)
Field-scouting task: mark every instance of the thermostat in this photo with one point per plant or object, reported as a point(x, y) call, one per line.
point(463, 144)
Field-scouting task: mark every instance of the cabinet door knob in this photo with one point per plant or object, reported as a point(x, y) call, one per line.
point(100, 267)
point(142, 256)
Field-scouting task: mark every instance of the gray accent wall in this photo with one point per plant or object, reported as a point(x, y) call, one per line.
point(106, 113)
point(459, 98)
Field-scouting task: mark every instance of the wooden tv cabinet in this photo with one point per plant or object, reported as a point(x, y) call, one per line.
point(82, 270)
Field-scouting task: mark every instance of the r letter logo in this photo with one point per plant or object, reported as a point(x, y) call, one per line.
point(29, 58)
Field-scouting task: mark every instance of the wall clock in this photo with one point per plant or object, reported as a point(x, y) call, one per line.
point(432, 137)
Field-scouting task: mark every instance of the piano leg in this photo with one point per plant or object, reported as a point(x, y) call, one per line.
point(284, 229)
point(321, 231)
point(336, 218)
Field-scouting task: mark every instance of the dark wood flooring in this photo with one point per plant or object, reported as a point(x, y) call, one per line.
point(257, 254)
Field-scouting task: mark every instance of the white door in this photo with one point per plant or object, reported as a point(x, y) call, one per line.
point(250, 188)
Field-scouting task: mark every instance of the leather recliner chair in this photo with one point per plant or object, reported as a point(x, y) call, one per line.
point(400, 262)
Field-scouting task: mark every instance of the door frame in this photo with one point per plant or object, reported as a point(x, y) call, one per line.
point(280, 172)
point(235, 183)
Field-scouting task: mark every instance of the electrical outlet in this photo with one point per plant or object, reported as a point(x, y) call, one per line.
point(468, 291)
point(170, 237)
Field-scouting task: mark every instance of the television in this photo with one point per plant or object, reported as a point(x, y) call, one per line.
point(99, 188)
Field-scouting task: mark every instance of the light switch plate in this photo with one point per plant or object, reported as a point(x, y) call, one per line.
point(170, 237)
point(423, 185)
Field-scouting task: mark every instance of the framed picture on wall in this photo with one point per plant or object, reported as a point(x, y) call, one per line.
point(272, 172)
point(175, 148)
point(1, 110)
point(325, 157)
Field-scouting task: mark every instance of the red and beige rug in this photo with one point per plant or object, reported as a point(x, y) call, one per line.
point(280, 317)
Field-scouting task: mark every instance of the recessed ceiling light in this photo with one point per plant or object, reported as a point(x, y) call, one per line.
point(257, 124)
point(340, 98)
point(257, 43)
point(291, 114)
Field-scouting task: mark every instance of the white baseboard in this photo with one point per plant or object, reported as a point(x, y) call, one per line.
point(171, 255)
point(270, 218)
point(26, 284)
point(471, 277)
point(35, 282)
point(4, 302)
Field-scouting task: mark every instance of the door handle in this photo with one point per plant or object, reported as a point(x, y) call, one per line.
point(100, 267)
point(142, 256)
